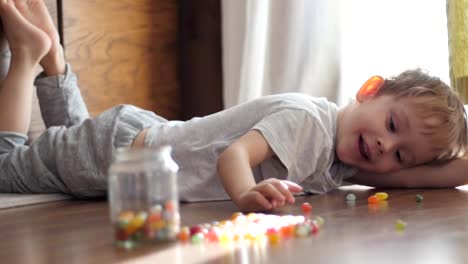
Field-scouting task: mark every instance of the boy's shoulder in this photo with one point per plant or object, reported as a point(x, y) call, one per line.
point(298, 100)
point(319, 107)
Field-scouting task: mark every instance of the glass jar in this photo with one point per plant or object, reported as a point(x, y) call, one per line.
point(143, 196)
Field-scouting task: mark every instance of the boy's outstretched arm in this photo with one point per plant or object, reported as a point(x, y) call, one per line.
point(448, 175)
point(235, 169)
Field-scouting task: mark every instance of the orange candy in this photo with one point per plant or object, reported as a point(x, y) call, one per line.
point(184, 234)
point(170, 206)
point(372, 199)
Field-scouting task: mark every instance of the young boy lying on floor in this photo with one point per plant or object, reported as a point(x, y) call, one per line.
point(258, 153)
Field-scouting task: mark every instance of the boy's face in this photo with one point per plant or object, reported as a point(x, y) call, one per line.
point(381, 134)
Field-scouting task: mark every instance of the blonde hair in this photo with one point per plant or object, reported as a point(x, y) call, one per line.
point(439, 107)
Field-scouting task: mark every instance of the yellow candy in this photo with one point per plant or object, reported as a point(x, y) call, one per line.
point(235, 215)
point(400, 225)
point(134, 225)
point(382, 196)
point(252, 217)
point(274, 239)
point(225, 238)
point(126, 215)
point(160, 224)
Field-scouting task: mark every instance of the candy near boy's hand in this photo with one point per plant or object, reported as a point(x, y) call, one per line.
point(268, 195)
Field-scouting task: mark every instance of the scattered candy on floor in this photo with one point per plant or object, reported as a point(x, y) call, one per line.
point(372, 199)
point(419, 198)
point(160, 223)
point(400, 225)
point(320, 221)
point(306, 208)
point(382, 196)
point(253, 227)
point(350, 197)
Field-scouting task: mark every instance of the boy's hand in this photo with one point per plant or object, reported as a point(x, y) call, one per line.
point(268, 195)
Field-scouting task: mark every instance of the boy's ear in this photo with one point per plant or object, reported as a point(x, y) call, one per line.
point(370, 88)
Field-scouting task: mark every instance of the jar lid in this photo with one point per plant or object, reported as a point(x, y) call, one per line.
point(160, 156)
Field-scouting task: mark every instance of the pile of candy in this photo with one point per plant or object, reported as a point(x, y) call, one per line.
point(253, 227)
point(160, 223)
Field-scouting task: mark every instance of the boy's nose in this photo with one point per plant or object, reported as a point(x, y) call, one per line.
point(385, 146)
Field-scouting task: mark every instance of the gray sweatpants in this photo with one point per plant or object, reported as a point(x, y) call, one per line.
point(73, 155)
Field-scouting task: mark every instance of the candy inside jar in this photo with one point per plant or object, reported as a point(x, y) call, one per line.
point(143, 196)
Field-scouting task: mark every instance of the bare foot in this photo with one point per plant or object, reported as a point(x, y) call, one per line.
point(36, 12)
point(25, 40)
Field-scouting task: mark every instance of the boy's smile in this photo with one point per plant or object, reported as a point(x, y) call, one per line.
point(382, 134)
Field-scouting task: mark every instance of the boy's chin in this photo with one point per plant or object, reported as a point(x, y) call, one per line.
point(344, 157)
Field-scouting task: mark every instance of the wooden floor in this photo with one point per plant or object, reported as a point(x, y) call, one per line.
point(79, 232)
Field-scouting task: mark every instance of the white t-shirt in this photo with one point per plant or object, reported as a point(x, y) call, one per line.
point(299, 128)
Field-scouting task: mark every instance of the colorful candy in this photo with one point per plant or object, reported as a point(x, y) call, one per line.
point(382, 196)
point(184, 234)
point(253, 228)
point(400, 225)
point(302, 230)
point(320, 221)
point(419, 198)
point(314, 227)
point(213, 234)
point(372, 199)
point(274, 239)
point(306, 208)
point(350, 197)
point(158, 223)
point(198, 238)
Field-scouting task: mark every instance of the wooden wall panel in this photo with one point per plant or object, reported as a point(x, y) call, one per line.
point(124, 51)
point(200, 57)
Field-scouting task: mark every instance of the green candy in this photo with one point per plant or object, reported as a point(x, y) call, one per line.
point(320, 221)
point(302, 230)
point(197, 238)
point(419, 198)
point(350, 197)
point(123, 223)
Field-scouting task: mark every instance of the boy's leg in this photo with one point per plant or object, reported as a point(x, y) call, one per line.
point(28, 45)
point(72, 160)
point(60, 100)
point(57, 90)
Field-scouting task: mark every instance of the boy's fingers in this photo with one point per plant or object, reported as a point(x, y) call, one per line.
point(283, 188)
point(262, 201)
point(269, 190)
point(274, 204)
point(293, 187)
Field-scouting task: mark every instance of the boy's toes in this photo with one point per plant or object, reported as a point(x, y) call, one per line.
point(6, 5)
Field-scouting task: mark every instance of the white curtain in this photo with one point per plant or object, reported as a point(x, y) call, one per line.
point(387, 37)
point(276, 46)
point(327, 47)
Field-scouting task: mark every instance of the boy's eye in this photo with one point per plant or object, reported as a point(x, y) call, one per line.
point(398, 156)
point(391, 125)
